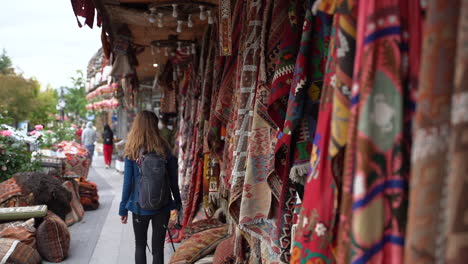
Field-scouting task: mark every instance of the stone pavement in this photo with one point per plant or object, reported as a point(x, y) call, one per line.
point(100, 238)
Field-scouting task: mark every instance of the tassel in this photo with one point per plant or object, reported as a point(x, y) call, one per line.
point(190, 22)
point(202, 13)
point(179, 26)
point(174, 10)
point(152, 50)
point(210, 17)
point(299, 173)
point(166, 53)
point(160, 20)
point(152, 19)
point(158, 50)
point(193, 49)
point(179, 46)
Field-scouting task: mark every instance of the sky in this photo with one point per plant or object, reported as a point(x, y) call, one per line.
point(44, 41)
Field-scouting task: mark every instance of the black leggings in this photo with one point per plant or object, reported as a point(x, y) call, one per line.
point(140, 228)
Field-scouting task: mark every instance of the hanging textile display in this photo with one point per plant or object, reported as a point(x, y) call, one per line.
point(302, 111)
point(283, 189)
point(295, 118)
point(206, 103)
point(86, 9)
point(195, 191)
point(225, 27)
point(247, 70)
point(256, 197)
point(426, 242)
point(245, 93)
point(314, 235)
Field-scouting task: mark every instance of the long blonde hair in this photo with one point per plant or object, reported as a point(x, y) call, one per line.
point(145, 134)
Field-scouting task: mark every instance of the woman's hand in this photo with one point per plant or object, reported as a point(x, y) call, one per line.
point(123, 219)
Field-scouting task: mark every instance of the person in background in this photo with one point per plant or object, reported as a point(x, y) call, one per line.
point(88, 138)
point(78, 134)
point(108, 143)
point(166, 133)
point(145, 136)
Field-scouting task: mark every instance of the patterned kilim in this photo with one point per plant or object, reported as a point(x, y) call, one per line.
point(432, 163)
point(282, 187)
point(245, 89)
point(256, 197)
point(304, 94)
point(247, 69)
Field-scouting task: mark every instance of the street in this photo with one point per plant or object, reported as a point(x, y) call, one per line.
point(100, 238)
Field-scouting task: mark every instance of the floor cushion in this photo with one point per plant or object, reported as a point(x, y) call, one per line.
point(224, 253)
point(89, 197)
point(77, 211)
point(199, 245)
point(11, 195)
point(24, 231)
point(15, 252)
point(200, 226)
point(53, 238)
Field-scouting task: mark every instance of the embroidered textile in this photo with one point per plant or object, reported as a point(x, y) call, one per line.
point(314, 235)
point(381, 172)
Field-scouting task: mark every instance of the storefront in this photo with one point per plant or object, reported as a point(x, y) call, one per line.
point(317, 127)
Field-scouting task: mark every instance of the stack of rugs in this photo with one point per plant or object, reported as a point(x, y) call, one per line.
point(35, 212)
point(75, 156)
point(89, 197)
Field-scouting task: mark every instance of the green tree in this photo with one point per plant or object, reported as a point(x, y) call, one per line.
point(75, 97)
point(45, 107)
point(6, 66)
point(17, 96)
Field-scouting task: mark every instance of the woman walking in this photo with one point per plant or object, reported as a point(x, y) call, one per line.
point(145, 137)
point(108, 141)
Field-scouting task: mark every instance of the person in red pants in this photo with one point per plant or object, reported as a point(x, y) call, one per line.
point(108, 143)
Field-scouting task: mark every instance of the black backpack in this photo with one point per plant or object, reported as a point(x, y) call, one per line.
point(154, 188)
point(108, 137)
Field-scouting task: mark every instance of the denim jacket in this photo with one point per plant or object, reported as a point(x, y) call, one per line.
point(130, 188)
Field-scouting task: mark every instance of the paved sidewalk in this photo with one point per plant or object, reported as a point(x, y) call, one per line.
point(100, 237)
